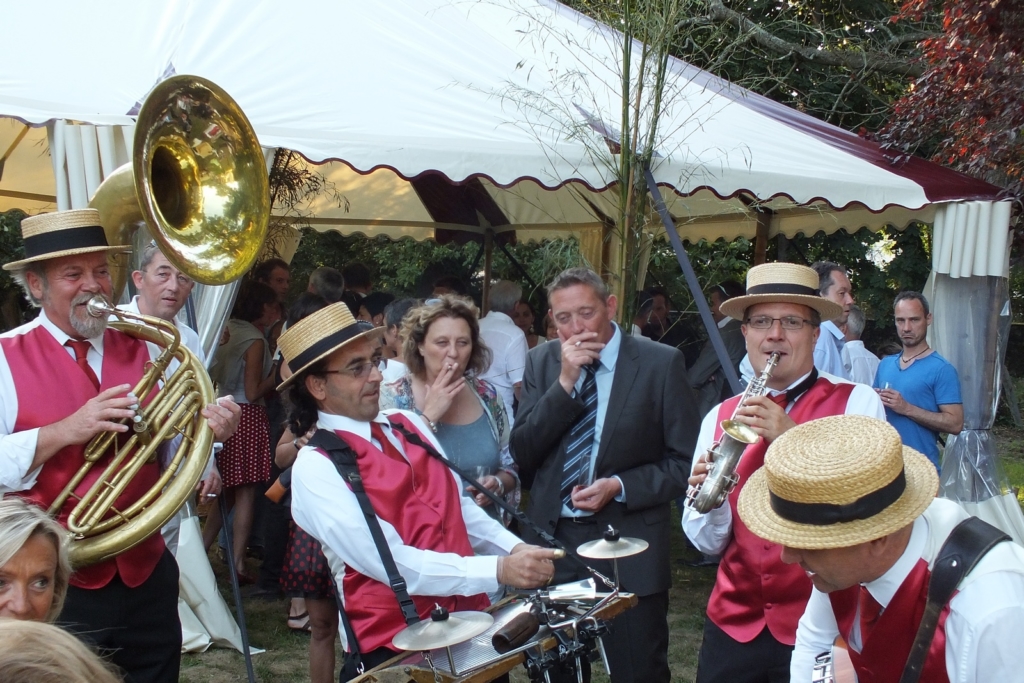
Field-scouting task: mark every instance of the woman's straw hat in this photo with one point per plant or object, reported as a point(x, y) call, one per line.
point(64, 233)
point(837, 482)
point(781, 283)
point(318, 335)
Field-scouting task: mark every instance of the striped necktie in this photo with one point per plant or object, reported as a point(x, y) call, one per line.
point(581, 437)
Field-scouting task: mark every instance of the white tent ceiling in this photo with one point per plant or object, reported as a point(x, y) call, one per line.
point(509, 92)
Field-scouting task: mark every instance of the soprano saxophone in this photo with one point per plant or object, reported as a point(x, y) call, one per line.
point(724, 454)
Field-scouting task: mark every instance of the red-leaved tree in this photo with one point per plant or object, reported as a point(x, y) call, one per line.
point(967, 110)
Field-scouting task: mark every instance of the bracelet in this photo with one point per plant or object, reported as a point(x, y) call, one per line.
point(430, 423)
point(295, 442)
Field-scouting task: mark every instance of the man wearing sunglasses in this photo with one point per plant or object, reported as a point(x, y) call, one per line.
point(753, 611)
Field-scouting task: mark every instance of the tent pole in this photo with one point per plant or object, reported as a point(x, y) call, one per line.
point(714, 334)
point(485, 295)
point(761, 240)
point(518, 265)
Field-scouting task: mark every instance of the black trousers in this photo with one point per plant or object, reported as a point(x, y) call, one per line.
point(637, 645)
point(724, 660)
point(275, 544)
point(136, 628)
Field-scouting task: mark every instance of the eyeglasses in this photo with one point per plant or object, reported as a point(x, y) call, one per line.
point(361, 371)
point(789, 322)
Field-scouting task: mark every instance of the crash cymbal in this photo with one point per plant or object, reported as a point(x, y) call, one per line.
point(612, 547)
point(442, 630)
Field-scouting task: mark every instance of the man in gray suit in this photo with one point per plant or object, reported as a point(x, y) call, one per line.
point(706, 375)
point(604, 436)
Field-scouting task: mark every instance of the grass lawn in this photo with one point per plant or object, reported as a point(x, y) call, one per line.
point(286, 658)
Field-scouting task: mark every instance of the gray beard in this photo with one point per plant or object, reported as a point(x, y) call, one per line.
point(87, 326)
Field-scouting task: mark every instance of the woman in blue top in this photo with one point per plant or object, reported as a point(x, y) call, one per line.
point(442, 348)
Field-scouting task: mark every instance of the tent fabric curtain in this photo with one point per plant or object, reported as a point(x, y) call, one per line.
point(969, 296)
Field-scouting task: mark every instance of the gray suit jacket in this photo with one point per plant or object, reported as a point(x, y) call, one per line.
point(647, 440)
point(706, 376)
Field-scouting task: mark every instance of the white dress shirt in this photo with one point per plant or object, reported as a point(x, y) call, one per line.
point(508, 361)
point(711, 532)
point(189, 337)
point(17, 450)
point(986, 616)
point(325, 507)
point(863, 363)
point(394, 371)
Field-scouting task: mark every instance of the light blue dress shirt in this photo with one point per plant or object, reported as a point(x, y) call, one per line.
point(603, 377)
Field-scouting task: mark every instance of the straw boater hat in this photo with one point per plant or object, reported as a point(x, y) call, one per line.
point(64, 233)
point(837, 482)
point(318, 335)
point(781, 283)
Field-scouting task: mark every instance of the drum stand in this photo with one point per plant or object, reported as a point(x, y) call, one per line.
point(586, 637)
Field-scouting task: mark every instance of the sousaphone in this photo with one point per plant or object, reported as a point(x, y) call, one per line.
point(198, 182)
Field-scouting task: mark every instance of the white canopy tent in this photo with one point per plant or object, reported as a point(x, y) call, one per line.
point(515, 95)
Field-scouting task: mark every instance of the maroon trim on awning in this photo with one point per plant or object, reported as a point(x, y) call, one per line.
point(940, 184)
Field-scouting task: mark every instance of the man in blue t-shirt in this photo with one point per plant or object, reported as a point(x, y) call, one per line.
point(919, 388)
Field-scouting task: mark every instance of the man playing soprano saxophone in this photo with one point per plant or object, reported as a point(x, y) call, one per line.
point(753, 611)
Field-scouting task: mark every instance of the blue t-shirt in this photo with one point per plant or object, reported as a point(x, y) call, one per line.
point(928, 383)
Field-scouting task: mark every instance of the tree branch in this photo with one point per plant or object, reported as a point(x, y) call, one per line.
point(874, 61)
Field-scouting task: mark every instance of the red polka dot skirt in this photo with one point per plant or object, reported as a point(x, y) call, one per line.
point(245, 458)
point(306, 573)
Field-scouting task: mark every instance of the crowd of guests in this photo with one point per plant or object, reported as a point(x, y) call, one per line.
point(605, 426)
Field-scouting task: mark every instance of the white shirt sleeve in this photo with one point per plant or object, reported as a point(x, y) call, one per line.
point(324, 506)
point(983, 630)
point(710, 532)
point(815, 634)
point(515, 362)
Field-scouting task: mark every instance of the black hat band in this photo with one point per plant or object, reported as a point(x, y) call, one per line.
point(823, 514)
point(781, 288)
point(85, 237)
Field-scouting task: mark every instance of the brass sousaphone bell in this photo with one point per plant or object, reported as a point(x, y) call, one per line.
point(199, 182)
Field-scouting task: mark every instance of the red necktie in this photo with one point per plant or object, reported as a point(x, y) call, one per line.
point(81, 348)
point(386, 446)
point(870, 610)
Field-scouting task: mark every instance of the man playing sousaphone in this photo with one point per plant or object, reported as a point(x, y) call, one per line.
point(65, 378)
point(438, 543)
point(855, 510)
point(753, 611)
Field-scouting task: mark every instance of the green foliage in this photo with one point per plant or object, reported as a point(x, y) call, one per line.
point(13, 306)
point(408, 268)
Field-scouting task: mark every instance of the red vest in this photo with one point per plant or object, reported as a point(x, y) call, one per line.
point(51, 386)
point(884, 654)
point(421, 500)
point(754, 587)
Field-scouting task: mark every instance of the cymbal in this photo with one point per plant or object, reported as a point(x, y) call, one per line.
point(606, 549)
point(442, 630)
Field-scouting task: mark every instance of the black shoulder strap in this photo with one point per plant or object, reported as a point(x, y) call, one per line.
point(969, 541)
point(344, 460)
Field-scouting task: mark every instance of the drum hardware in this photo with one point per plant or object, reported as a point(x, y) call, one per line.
point(443, 630)
point(612, 547)
point(478, 661)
